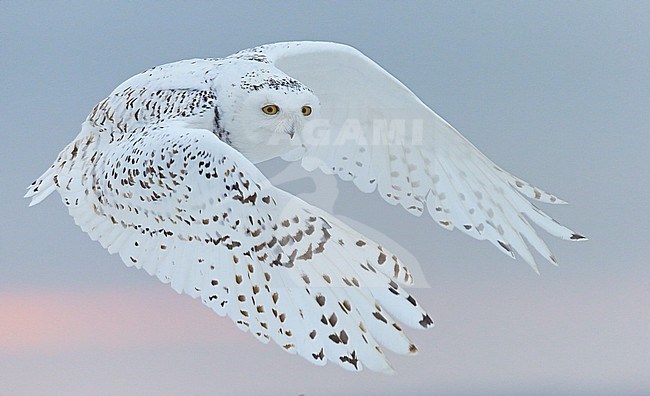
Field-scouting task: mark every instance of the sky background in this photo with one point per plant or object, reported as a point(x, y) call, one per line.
point(557, 93)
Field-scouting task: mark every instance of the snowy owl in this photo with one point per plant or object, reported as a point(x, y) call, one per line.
point(163, 174)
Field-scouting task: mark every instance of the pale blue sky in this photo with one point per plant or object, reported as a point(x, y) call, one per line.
point(556, 93)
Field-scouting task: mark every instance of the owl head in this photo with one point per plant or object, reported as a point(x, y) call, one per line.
point(264, 110)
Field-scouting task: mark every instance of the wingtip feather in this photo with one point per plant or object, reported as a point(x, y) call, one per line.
point(578, 237)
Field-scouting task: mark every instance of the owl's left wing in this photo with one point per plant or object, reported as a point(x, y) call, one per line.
point(374, 131)
point(189, 209)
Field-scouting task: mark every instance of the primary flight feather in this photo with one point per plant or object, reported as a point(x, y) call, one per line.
point(163, 174)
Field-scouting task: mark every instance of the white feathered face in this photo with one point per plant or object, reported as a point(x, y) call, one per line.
point(267, 114)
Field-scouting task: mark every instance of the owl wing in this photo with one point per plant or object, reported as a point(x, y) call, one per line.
point(189, 209)
point(373, 131)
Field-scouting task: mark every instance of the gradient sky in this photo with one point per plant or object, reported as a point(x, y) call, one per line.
point(556, 93)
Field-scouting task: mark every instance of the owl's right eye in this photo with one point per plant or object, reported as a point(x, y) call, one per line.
point(270, 109)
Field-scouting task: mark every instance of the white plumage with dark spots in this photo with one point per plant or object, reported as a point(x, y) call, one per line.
point(162, 173)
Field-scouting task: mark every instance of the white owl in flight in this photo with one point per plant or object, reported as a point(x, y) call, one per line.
point(163, 174)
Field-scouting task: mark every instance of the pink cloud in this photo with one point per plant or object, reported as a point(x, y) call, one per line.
point(52, 320)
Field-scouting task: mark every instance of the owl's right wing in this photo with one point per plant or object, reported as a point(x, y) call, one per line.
point(375, 132)
point(189, 209)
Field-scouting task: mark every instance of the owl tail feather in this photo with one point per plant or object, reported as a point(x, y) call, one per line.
point(42, 187)
point(59, 176)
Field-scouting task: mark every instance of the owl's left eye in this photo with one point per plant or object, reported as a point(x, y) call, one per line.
point(306, 110)
point(270, 109)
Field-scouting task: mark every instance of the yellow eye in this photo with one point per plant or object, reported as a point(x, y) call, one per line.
point(306, 110)
point(270, 109)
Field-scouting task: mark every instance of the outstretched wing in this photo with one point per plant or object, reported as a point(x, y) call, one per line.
point(189, 209)
point(374, 131)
